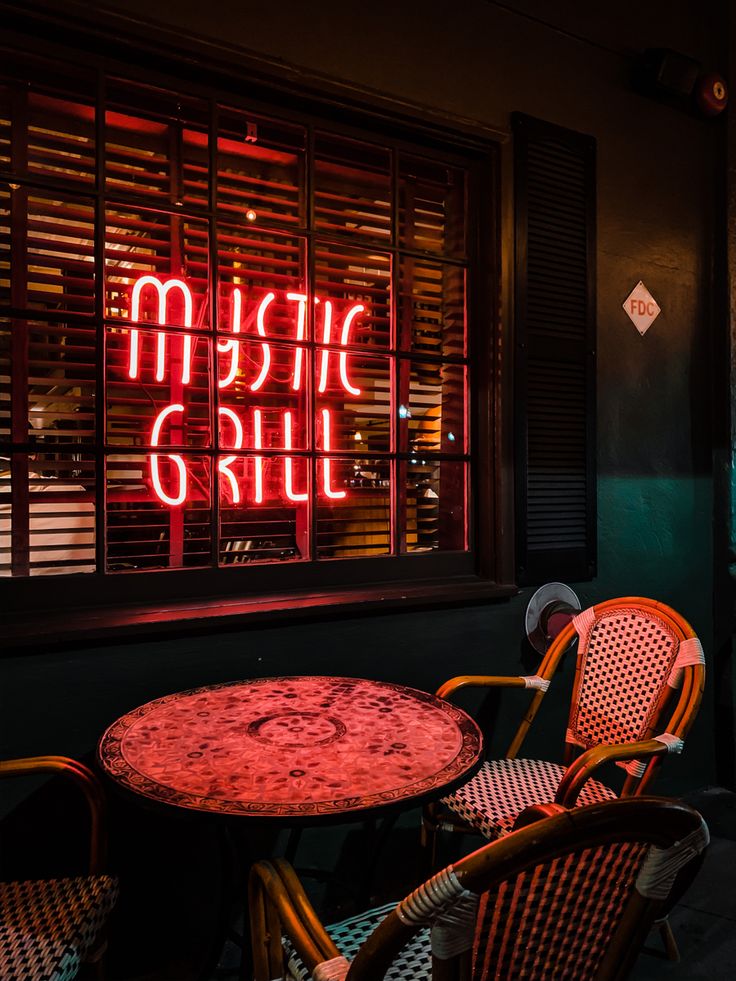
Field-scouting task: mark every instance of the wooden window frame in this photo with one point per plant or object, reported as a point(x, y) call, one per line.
point(481, 572)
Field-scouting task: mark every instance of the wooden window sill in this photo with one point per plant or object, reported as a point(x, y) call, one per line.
point(34, 633)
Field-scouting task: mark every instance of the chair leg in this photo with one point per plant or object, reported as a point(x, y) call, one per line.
point(668, 939)
point(429, 842)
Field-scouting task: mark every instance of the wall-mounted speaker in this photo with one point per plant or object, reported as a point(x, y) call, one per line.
point(549, 611)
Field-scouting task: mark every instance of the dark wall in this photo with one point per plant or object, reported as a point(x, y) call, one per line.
point(656, 167)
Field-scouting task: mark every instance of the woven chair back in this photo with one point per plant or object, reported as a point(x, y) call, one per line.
point(557, 919)
point(624, 663)
point(570, 897)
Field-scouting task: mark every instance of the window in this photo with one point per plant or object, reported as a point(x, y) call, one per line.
point(229, 340)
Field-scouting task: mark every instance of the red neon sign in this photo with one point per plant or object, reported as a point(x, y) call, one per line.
point(230, 420)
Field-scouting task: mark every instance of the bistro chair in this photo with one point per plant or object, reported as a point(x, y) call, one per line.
point(50, 927)
point(638, 684)
point(571, 896)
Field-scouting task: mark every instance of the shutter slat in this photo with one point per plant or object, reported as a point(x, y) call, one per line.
point(555, 273)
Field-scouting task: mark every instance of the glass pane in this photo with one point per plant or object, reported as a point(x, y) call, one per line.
point(262, 288)
point(432, 308)
point(6, 514)
point(167, 403)
point(60, 531)
point(62, 513)
point(264, 509)
point(5, 382)
point(431, 407)
point(352, 188)
point(260, 169)
point(54, 370)
point(432, 207)
point(61, 138)
point(156, 264)
point(5, 125)
point(54, 273)
point(354, 409)
point(5, 253)
point(432, 510)
point(158, 511)
point(267, 392)
point(58, 117)
point(156, 146)
point(62, 367)
point(359, 521)
point(357, 283)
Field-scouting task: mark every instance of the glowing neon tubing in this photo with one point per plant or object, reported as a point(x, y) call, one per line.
point(326, 462)
point(155, 475)
point(346, 325)
point(301, 329)
point(232, 346)
point(288, 463)
point(260, 324)
point(224, 464)
point(258, 460)
point(326, 329)
point(162, 290)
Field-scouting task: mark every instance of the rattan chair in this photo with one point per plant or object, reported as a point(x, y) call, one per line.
point(50, 927)
point(570, 897)
point(638, 684)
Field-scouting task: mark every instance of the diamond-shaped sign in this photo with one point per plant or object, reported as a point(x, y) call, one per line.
point(641, 307)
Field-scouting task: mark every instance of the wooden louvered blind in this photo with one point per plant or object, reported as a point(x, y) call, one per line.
point(555, 352)
point(105, 181)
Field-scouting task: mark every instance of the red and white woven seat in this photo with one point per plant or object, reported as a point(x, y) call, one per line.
point(414, 962)
point(499, 792)
point(639, 679)
point(47, 926)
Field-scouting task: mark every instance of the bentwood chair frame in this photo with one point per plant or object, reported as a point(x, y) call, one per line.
point(677, 662)
point(82, 904)
point(571, 895)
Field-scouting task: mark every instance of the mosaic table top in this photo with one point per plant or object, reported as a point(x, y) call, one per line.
point(293, 748)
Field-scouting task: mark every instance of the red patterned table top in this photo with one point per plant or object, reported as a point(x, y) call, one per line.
point(292, 747)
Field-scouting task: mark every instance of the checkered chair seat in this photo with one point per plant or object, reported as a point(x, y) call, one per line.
point(414, 963)
point(493, 799)
point(48, 926)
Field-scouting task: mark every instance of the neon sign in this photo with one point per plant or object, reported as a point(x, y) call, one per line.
point(175, 491)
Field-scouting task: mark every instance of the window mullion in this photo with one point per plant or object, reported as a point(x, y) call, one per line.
point(100, 304)
point(214, 311)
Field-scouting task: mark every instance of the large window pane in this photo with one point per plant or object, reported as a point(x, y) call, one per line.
point(260, 169)
point(264, 509)
point(158, 511)
point(432, 308)
point(431, 413)
point(54, 497)
point(432, 207)
point(167, 403)
point(156, 146)
point(434, 504)
point(353, 508)
point(352, 188)
point(357, 284)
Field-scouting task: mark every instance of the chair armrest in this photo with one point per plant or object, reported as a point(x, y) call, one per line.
point(480, 681)
point(581, 769)
point(278, 905)
point(85, 780)
point(537, 812)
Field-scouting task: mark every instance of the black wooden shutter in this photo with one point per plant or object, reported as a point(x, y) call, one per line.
point(554, 383)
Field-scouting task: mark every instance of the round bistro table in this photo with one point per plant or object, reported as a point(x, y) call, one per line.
point(295, 749)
